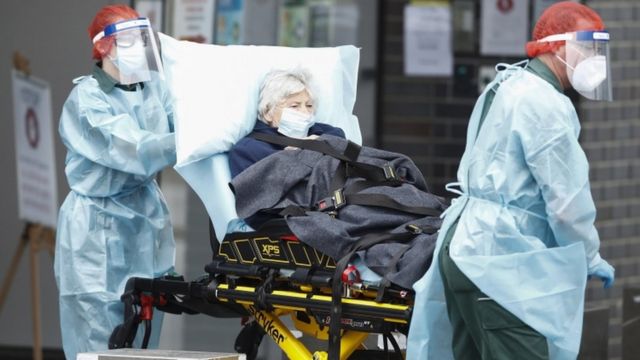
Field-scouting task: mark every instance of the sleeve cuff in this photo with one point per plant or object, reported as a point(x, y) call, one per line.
point(593, 263)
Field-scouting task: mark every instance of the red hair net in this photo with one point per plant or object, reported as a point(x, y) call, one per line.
point(560, 18)
point(107, 16)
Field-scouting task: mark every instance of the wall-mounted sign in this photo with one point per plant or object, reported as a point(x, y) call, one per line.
point(229, 22)
point(293, 24)
point(464, 25)
point(191, 20)
point(35, 159)
point(504, 27)
point(427, 40)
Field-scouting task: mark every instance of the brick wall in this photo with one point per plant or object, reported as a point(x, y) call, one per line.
point(419, 116)
point(426, 118)
point(611, 139)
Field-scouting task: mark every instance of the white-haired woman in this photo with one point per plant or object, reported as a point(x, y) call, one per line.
point(286, 107)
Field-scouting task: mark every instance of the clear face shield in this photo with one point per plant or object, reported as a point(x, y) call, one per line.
point(588, 63)
point(136, 54)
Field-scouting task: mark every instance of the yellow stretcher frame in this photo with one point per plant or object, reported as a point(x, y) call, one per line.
point(294, 349)
point(246, 278)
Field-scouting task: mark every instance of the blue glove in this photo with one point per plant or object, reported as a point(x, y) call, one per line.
point(605, 272)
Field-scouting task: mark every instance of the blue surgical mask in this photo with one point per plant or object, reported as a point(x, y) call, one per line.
point(295, 124)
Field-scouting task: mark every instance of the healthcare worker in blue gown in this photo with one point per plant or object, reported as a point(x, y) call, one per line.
point(118, 127)
point(518, 244)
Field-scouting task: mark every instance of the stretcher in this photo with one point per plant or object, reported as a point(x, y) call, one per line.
point(269, 274)
point(266, 274)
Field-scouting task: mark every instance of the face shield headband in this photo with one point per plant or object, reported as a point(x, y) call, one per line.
point(136, 55)
point(587, 62)
point(139, 23)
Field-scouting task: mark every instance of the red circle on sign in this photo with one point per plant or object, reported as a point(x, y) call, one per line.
point(504, 5)
point(32, 129)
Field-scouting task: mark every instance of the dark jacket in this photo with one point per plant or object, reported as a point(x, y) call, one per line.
point(249, 151)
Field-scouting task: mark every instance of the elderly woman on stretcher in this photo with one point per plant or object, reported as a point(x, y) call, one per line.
point(287, 107)
point(338, 197)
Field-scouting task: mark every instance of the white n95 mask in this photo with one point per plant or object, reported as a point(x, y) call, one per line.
point(589, 73)
point(295, 124)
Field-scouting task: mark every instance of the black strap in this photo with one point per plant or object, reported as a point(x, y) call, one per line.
point(359, 185)
point(392, 267)
point(315, 145)
point(384, 175)
point(337, 197)
point(371, 172)
point(394, 343)
point(350, 156)
point(342, 172)
point(265, 289)
point(292, 210)
point(341, 198)
point(384, 201)
point(364, 242)
point(340, 177)
point(352, 150)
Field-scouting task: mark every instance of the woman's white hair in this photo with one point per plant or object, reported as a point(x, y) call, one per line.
point(278, 85)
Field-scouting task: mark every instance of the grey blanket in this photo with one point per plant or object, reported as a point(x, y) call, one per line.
point(303, 177)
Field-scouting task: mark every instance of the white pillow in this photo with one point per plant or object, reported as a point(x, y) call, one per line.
point(216, 90)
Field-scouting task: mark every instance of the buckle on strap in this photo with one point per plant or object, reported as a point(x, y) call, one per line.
point(332, 203)
point(389, 172)
point(414, 229)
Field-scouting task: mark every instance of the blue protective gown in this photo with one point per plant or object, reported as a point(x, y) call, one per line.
point(526, 234)
point(114, 224)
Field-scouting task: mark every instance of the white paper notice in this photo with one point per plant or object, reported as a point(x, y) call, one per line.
point(427, 40)
point(193, 20)
point(504, 27)
point(35, 160)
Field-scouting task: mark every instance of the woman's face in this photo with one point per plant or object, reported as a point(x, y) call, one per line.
point(301, 102)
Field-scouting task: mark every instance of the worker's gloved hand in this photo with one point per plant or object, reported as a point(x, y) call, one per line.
point(605, 272)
